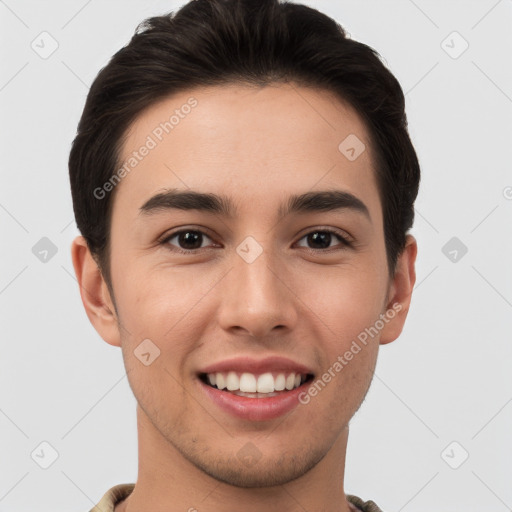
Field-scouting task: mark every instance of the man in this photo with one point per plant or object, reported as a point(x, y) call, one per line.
point(244, 183)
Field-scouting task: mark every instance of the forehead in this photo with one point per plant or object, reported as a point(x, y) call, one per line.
point(250, 141)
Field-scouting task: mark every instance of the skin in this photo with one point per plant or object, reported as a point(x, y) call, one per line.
point(297, 299)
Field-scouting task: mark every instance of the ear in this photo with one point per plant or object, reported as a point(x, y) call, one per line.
point(94, 292)
point(400, 291)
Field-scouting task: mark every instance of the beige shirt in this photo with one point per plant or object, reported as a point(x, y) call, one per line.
point(121, 491)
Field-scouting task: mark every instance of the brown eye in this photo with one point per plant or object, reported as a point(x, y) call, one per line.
point(187, 240)
point(322, 239)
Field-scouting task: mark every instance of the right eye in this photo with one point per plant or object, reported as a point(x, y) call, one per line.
point(188, 240)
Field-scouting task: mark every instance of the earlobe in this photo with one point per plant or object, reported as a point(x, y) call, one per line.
point(94, 292)
point(400, 292)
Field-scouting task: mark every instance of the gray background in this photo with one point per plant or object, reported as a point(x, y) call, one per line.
point(446, 379)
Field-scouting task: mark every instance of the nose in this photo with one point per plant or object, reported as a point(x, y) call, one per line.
point(256, 298)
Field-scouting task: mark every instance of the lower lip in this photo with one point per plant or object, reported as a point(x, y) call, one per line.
point(255, 409)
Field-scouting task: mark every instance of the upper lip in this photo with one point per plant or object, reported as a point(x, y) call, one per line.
point(257, 366)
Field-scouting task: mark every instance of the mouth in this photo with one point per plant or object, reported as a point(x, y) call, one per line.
point(254, 389)
point(260, 386)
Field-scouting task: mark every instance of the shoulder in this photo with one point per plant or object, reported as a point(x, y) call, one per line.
point(114, 495)
point(364, 506)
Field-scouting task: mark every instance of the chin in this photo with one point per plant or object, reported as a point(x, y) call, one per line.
point(264, 472)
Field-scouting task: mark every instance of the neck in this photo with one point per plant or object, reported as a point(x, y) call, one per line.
point(167, 482)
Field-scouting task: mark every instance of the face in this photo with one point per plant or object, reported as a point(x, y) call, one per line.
point(252, 275)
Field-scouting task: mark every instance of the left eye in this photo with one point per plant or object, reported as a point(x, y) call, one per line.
point(323, 238)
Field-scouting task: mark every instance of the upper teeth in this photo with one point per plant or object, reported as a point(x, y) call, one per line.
point(250, 383)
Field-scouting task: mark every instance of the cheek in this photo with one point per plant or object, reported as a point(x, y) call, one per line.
point(345, 303)
point(169, 307)
point(346, 299)
point(154, 300)
point(159, 310)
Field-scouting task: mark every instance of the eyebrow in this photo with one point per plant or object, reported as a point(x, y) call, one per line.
point(321, 201)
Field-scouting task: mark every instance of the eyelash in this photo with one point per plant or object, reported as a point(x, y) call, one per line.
point(345, 242)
